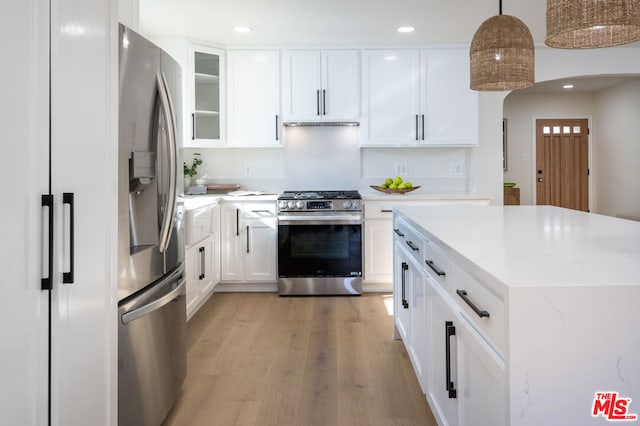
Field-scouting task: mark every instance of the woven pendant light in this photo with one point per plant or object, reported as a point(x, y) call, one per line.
point(586, 24)
point(502, 55)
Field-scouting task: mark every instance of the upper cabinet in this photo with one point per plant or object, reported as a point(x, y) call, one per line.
point(321, 85)
point(254, 98)
point(418, 98)
point(206, 74)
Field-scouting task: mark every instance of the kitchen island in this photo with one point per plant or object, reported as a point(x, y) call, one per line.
point(520, 315)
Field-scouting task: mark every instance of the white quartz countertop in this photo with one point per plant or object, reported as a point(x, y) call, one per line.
point(417, 195)
point(192, 202)
point(534, 246)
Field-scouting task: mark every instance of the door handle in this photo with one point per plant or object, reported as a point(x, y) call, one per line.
point(450, 330)
point(317, 102)
point(237, 222)
point(47, 282)
point(433, 267)
point(540, 180)
point(202, 266)
point(277, 136)
point(134, 314)
point(417, 135)
point(324, 102)
point(247, 238)
point(413, 246)
point(422, 126)
point(67, 277)
point(480, 312)
point(397, 231)
point(405, 267)
point(193, 126)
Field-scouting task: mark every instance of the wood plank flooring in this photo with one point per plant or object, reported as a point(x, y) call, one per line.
point(257, 359)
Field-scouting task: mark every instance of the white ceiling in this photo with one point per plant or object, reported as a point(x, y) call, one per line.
point(331, 22)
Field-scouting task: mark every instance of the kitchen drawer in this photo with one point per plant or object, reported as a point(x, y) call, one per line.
point(438, 266)
point(379, 209)
point(198, 224)
point(409, 238)
point(485, 302)
point(259, 210)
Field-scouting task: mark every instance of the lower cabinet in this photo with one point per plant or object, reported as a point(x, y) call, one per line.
point(249, 239)
point(461, 374)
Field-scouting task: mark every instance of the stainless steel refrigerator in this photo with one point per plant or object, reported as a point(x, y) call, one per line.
point(151, 278)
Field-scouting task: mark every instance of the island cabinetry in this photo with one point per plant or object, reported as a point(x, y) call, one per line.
point(455, 360)
point(249, 238)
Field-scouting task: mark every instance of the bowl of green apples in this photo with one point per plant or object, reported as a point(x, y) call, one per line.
point(395, 186)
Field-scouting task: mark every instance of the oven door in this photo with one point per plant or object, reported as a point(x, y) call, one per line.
point(320, 246)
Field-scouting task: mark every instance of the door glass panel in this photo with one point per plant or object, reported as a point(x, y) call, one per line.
point(576, 129)
point(546, 130)
point(566, 129)
point(207, 96)
point(556, 130)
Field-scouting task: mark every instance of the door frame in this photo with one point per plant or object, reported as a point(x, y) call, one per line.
point(534, 118)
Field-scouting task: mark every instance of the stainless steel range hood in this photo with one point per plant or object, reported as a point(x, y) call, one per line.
point(321, 123)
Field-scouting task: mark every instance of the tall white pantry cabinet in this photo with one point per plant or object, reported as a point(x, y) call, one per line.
point(59, 140)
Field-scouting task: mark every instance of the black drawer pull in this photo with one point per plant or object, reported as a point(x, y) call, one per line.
point(405, 267)
point(433, 267)
point(481, 313)
point(413, 246)
point(397, 231)
point(386, 211)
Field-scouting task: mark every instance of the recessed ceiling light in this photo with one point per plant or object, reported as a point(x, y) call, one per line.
point(241, 29)
point(407, 29)
point(568, 86)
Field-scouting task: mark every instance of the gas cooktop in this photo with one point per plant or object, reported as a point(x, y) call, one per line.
point(320, 195)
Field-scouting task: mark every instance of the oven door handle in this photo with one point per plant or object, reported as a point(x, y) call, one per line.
point(320, 220)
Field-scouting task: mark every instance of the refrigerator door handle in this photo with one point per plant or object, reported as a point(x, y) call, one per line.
point(67, 277)
point(158, 303)
point(169, 208)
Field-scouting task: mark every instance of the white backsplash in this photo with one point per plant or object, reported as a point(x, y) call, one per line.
point(330, 158)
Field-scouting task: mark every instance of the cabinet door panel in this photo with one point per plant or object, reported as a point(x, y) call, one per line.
point(302, 85)
point(378, 250)
point(261, 250)
point(419, 322)
point(449, 106)
point(232, 256)
point(192, 270)
point(390, 97)
point(341, 85)
point(254, 97)
point(401, 293)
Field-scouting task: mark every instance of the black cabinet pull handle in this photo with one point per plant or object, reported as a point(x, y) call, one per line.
point(435, 269)
point(405, 267)
point(386, 211)
point(397, 231)
point(247, 238)
point(202, 264)
point(422, 126)
point(480, 312)
point(450, 330)
point(237, 222)
point(413, 246)
point(277, 136)
point(324, 102)
point(47, 283)
point(67, 277)
point(193, 126)
point(317, 102)
point(417, 137)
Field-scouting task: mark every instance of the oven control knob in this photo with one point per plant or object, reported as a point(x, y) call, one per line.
point(291, 204)
point(299, 204)
point(346, 204)
point(355, 205)
point(282, 205)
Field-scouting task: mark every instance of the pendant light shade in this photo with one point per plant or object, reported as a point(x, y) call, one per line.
point(502, 55)
point(585, 24)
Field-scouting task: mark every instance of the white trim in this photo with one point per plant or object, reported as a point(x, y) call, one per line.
point(534, 118)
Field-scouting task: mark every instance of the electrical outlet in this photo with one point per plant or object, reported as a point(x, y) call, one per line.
point(247, 169)
point(401, 169)
point(456, 169)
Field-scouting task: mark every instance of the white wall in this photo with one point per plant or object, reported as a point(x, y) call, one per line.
point(521, 109)
point(617, 150)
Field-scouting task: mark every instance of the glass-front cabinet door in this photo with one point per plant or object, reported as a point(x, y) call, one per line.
point(207, 105)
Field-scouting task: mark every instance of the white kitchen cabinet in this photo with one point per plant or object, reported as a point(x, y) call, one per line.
point(206, 73)
point(202, 254)
point(401, 293)
point(77, 318)
point(253, 82)
point(418, 98)
point(322, 85)
point(248, 235)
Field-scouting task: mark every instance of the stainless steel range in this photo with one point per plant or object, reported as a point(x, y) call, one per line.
point(319, 243)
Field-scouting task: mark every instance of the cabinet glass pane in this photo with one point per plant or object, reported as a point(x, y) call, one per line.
point(207, 95)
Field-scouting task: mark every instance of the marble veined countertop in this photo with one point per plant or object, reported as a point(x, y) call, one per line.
point(534, 245)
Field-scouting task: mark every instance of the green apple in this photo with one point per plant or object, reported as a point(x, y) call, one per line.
point(384, 185)
point(402, 186)
point(393, 186)
point(397, 180)
point(408, 185)
point(388, 181)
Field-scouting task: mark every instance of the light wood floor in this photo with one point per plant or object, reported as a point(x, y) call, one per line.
point(260, 359)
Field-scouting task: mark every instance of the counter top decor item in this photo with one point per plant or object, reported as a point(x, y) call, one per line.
point(394, 190)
